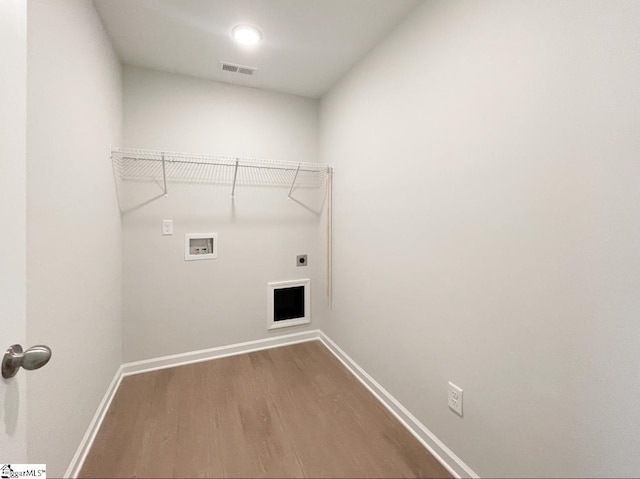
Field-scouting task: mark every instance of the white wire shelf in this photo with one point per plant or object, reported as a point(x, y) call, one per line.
point(167, 167)
point(159, 170)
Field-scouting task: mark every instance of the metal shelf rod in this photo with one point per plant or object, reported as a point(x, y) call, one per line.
point(235, 175)
point(294, 181)
point(164, 176)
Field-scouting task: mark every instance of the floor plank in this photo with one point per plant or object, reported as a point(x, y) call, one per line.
point(293, 411)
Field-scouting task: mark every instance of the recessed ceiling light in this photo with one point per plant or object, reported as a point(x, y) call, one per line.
point(246, 34)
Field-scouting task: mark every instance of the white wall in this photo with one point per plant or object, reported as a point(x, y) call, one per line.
point(74, 235)
point(486, 228)
point(13, 203)
point(173, 306)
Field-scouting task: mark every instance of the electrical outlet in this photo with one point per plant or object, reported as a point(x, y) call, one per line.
point(455, 399)
point(167, 227)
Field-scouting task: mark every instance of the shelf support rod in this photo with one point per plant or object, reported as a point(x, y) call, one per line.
point(235, 175)
point(164, 176)
point(294, 182)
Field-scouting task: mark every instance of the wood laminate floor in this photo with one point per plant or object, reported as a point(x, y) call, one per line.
point(293, 411)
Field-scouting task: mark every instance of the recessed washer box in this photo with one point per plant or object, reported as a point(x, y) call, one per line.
point(199, 246)
point(289, 303)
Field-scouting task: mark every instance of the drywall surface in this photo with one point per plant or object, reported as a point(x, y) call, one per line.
point(486, 229)
point(74, 245)
point(172, 305)
point(13, 208)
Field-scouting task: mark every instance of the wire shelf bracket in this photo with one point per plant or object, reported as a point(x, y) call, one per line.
point(235, 177)
point(293, 183)
point(164, 176)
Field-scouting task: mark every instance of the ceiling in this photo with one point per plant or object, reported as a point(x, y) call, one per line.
point(307, 44)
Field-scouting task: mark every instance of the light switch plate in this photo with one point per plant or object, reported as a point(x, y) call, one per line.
point(167, 227)
point(455, 398)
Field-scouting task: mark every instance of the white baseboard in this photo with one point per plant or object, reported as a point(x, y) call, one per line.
point(191, 357)
point(435, 446)
point(87, 441)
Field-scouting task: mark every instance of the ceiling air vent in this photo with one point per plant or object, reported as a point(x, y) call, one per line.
point(233, 68)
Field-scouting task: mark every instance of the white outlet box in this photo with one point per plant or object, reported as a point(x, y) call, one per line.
point(455, 399)
point(200, 246)
point(167, 227)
